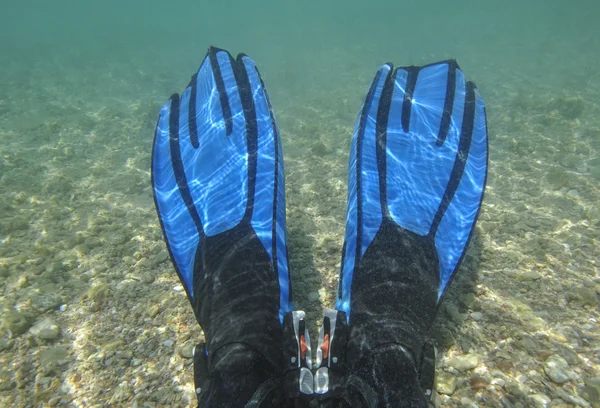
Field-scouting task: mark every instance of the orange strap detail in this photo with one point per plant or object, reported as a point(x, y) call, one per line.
point(303, 348)
point(325, 346)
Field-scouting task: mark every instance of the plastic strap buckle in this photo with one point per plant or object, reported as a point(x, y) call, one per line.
point(298, 380)
point(330, 375)
point(330, 365)
point(330, 372)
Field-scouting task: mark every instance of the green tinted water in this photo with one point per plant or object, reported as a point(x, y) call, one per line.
point(81, 253)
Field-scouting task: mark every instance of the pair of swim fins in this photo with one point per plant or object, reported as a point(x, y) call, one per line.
point(417, 174)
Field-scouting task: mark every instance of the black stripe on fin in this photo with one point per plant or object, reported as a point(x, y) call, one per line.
point(192, 125)
point(178, 170)
point(381, 126)
point(359, 137)
point(466, 134)
point(276, 186)
point(249, 110)
point(448, 103)
point(225, 108)
point(411, 84)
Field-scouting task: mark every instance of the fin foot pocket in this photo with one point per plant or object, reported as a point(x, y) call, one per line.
point(418, 159)
point(217, 164)
point(417, 175)
point(218, 182)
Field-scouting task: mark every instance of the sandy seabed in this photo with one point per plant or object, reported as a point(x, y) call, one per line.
point(93, 314)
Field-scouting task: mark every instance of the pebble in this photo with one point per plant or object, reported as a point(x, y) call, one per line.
point(436, 401)
point(186, 351)
point(506, 403)
point(5, 344)
point(574, 194)
point(322, 293)
point(534, 376)
point(168, 343)
point(557, 369)
point(477, 316)
point(4, 271)
point(528, 343)
point(573, 399)
point(478, 383)
point(568, 354)
point(153, 311)
point(147, 278)
point(464, 363)
point(586, 296)
point(531, 275)
point(319, 149)
point(539, 400)
point(468, 403)
point(499, 382)
point(454, 314)
point(44, 380)
point(17, 323)
point(560, 337)
point(161, 257)
point(6, 380)
point(446, 383)
point(43, 302)
point(592, 388)
point(46, 329)
point(56, 355)
point(515, 390)
point(313, 296)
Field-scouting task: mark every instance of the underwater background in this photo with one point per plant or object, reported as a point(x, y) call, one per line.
point(91, 311)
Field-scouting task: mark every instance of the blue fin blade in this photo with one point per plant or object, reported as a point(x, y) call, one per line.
point(363, 192)
point(418, 158)
point(217, 163)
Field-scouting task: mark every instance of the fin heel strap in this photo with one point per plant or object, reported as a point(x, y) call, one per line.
point(262, 393)
point(362, 389)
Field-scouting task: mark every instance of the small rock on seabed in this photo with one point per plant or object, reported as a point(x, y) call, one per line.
point(464, 363)
point(46, 329)
point(557, 369)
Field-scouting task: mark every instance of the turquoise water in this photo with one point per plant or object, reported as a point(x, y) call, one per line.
point(81, 252)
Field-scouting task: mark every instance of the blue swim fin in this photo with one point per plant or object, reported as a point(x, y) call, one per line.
point(217, 165)
point(418, 161)
point(217, 175)
point(417, 174)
